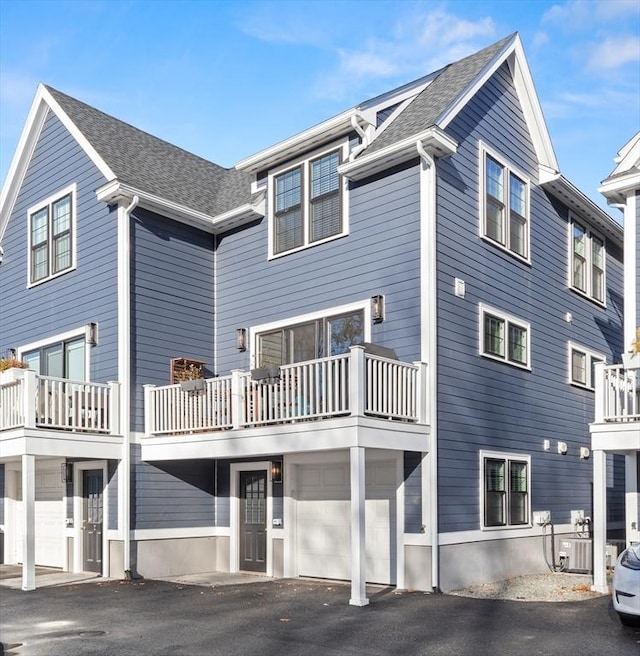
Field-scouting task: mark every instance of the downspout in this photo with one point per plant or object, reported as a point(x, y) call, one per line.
point(124, 369)
point(428, 344)
point(363, 135)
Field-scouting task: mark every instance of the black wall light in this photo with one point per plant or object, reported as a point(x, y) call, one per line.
point(377, 308)
point(276, 471)
point(241, 339)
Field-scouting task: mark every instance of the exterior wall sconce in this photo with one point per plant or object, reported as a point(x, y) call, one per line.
point(91, 334)
point(377, 308)
point(12, 354)
point(276, 471)
point(67, 472)
point(241, 339)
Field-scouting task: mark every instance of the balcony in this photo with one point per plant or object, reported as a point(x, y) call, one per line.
point(617, 408)
point(44, 415)
point(352, 392)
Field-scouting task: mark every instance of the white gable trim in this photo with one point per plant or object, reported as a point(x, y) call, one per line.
point(514, 54)
point(42, 103)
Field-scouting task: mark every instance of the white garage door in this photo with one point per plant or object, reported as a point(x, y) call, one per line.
point(49, 515)
point(323, 521)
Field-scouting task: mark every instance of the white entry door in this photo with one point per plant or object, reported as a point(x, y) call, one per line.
point(49, 515)
point(323, 521)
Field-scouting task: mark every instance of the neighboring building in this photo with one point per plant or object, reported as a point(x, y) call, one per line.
point(616, 429)
point(397, 313)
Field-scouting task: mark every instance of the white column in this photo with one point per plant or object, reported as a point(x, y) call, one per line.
point(632, 500)
point(357, 381)
point(28, 522)
point(358, 559)
point(599, 522)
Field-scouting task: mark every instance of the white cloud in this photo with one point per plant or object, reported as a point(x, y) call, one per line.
point(576, 15)
point(539, 40)
point(614, 52)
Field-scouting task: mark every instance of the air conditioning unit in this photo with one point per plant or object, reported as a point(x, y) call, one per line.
point(576, 554)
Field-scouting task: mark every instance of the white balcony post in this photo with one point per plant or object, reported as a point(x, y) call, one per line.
point(237, 399)
point(29, 395)
point(149, 409)
point(357, 380)
point(29, 521)
point(599, 521)
point(358, 553)
point(114, 408)
point(600, 392)
point(422, 392)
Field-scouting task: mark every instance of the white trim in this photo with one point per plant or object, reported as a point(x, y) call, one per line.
point(590, 354)
point(234, 501)
point(342, 148)
point(72, 190)
point(60, 337)
point(254, 331)
point(179, 533)
point(589, 234)
point(78, 544)
point(508, 319)
point(631, 267)
point(483, 151)
point(507, 457)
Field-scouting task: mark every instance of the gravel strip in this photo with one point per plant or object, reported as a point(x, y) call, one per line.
point(534, 587)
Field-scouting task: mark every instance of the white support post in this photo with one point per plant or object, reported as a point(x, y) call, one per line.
point(599, 522)
point(237, 399)
point(422, 391)
point(599, 392)
point(28, 522)
point(29, 393)
point(357, 381)
point(114, 408)
point(632, 498)
point(149, 409)
point(358, 555)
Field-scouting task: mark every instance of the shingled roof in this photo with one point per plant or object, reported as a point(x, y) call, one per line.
point(149, 164)
point(430, 104)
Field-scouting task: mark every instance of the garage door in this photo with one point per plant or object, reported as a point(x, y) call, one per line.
point(323, 521)
point(49, 515)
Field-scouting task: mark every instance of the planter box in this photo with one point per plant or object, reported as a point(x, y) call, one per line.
point(11, 375)
point(196, 385)
point(631, 360)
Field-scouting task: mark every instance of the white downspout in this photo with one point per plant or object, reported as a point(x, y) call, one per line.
point(124, 369)
point(428, 335)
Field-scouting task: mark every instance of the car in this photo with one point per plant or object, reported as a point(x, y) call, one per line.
point(626, 585)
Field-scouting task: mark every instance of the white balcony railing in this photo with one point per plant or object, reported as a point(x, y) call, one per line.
point(32, 401)
point(356, 383)
point(617, 393)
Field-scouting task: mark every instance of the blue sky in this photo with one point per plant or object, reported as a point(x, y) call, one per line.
point(226, 79)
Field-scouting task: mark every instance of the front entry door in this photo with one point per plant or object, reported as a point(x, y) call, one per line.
point(92, 520)
point(253, 521)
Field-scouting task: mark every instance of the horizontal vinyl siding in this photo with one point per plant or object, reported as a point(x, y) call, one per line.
point(112, 486)
point(172, 285)
point(173, 494)
point(3, 494)
point(380, 255)
point(412, 492)
point(87, 294)
point(485, 404)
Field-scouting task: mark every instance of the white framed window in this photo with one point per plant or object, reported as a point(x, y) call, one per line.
point(52, 236)
point(587, 257)
point(504, 337)
point(315, 335)
point(505, 484)
point(505, 205)
point(582, 362)
point(307, 202)
point(62, 356)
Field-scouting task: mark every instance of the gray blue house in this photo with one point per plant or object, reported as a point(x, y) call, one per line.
point(365, 353)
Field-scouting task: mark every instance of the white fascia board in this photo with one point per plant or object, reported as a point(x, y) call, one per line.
point(616, 188)
point(526, 91)
point(299, 143)
point(434, 140)
point(42, 102)
point(115, 191)
point(628, 156)
point(571, 196)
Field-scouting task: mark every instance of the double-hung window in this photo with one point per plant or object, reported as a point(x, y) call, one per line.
point(503, 337)
point(51, 237)
point(505, 214)
point(307, 204)
point(505, 490)
point(582, 362)
point(587, 262)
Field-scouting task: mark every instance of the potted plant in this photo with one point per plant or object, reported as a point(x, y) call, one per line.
point(631, 359)
point(10, 369)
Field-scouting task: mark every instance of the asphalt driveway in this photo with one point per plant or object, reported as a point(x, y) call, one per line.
point(282, 617)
